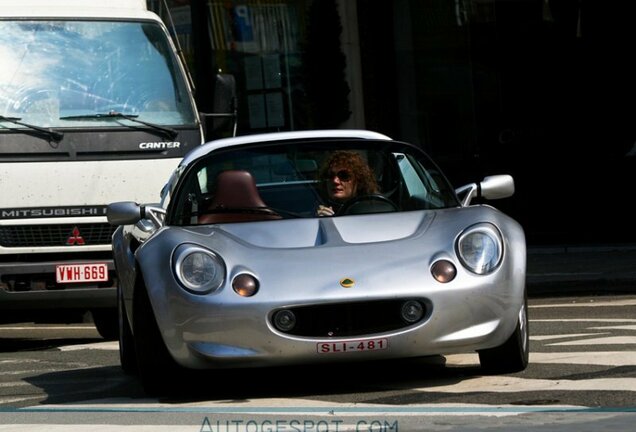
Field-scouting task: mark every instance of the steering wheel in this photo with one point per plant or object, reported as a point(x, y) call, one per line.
point(373, 203)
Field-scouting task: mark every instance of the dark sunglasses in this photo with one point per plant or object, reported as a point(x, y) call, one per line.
point(343, 175)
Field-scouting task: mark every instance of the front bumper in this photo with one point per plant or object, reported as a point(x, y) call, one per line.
point(229, 335)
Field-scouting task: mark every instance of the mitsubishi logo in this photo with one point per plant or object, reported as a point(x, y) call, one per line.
point(75, 238)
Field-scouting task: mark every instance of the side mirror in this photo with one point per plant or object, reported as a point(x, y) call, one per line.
point(491, 187)
point(129, 213)
point(124, 213)
point(497, 187)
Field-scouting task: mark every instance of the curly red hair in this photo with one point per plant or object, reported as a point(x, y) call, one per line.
point(363, 177)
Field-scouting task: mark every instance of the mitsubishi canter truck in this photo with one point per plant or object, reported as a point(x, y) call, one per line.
point(95, 107)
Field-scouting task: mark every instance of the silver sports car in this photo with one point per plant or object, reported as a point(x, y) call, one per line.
point(315, 247)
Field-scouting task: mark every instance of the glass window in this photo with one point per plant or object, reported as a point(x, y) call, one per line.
point(53, 70)
point(292, 180)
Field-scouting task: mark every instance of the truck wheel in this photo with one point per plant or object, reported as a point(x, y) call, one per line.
point(105, 321)
point(157, 369)
point(513, 355)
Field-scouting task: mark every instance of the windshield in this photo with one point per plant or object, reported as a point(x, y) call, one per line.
point(53, 71)
point(297, 180)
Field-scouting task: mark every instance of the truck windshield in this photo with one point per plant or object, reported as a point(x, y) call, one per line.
point(59, 73)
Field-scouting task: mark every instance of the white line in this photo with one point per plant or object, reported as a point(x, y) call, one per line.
point(509, 384)
point(603, 358)
point(107, 346)
point(14, 384)
point(109, 428)
point(608, 320)
point(12, 400)
point(563, 336)
point(34, 371)
point(614, 340)
point(43, 327)
point(630, 302)
point(11, 361)
point(625, 327)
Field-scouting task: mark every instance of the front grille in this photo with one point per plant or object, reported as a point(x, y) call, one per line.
point(56, 235)
point(352, 319)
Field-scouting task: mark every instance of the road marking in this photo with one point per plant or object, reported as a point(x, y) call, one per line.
point(563, 336)
point(106, 346)
point(14, 384)
point(45, 327)
point(625, 327)
point(627, 302)
point(511, 384)
point(20, 361)
point(600, 358)
point(614, 340)
point(607, 320)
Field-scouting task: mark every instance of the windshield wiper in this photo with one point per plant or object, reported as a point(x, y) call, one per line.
point(165, 131)
point(48, 132)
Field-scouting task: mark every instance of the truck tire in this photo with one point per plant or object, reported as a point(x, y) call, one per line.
point(105, 321)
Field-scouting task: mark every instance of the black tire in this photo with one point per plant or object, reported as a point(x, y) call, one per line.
point(105, 321)
point(374, 203)
point(158, 371)
point(513, 355)
point(127, 356)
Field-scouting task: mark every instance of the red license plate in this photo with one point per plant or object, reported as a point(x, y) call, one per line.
point(352, 346)
point(74, 273)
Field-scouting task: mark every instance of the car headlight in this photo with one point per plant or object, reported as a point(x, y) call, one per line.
point(480, 248)
point(199, 270)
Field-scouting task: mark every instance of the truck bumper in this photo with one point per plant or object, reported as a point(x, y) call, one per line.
point(33, 286)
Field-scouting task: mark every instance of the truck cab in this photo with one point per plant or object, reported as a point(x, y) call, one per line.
point(95, 107)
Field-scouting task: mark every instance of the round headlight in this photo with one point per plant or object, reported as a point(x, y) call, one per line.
point(199, 270)
point(480, 248)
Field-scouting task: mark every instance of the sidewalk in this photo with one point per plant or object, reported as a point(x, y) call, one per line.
point(563, 270)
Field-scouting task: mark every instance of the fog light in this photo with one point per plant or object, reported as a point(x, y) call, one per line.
point(443, 271)
point(412, 311)
point(284, 320)
point(245, 285)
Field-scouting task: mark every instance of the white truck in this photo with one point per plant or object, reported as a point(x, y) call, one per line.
point(95, 107)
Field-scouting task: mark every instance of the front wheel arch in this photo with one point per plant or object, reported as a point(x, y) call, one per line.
point(513, 355)
point(158, 371)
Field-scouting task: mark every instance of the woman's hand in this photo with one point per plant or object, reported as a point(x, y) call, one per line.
point(324, 211)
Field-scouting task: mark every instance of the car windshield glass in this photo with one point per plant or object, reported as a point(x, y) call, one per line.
point(293, 180)
point(55, 70)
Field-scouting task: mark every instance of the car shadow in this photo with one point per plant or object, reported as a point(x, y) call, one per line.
point(357, 381)
point(370, 382)
point(8, 345)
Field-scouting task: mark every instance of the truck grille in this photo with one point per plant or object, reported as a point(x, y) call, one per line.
point(56, 235)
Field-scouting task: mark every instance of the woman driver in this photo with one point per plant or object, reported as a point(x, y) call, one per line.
point(345, 175)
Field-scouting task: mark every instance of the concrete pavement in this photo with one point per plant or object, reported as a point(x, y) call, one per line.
point(564, 270)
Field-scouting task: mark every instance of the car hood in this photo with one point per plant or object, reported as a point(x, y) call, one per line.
point(296, 258)
point(317, 232)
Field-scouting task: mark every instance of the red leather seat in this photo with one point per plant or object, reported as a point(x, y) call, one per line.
point(236, 200)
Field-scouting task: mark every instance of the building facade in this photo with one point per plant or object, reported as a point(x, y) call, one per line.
point(540, 89)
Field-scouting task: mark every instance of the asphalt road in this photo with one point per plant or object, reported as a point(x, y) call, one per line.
point(582, 376)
